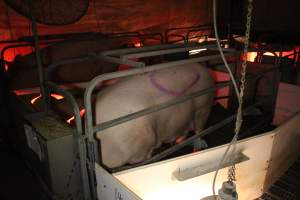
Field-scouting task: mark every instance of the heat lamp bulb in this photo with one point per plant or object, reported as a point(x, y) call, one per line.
point(227, 192)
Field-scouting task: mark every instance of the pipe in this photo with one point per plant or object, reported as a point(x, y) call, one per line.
point(156, 108)
point(78, 137)
point(45, 96)
point(186, 142)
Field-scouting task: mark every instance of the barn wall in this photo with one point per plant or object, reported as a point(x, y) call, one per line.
point(276, 18)
point(117, 16)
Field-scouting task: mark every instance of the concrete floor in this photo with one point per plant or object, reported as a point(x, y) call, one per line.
point(16, 180)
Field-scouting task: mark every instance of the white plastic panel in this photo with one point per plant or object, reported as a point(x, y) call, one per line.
point(157, 182)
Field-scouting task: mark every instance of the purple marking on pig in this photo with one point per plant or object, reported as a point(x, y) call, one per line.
point(169, 91)
point(135, 140)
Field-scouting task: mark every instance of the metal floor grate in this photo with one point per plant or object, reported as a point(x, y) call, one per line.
point(286, 187)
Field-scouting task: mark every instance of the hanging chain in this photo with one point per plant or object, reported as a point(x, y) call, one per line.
point(239, 120)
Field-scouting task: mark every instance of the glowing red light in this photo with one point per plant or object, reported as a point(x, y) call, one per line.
point(35, 99)
point(251, 56)
point(55, 96)
point(180, 139)
point(138, 45)
point(72, 118)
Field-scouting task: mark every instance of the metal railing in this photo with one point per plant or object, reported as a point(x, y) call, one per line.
point(78, 137)
point(122, 56)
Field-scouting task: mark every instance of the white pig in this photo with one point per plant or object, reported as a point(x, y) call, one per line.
point(134, 141)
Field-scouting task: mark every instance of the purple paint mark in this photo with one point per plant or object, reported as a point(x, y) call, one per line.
point(168, 91)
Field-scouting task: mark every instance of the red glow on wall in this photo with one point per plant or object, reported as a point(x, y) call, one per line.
point(138, 44)
point(11, 53)
point(251, 56)
point(6, 67)
point(21, 92)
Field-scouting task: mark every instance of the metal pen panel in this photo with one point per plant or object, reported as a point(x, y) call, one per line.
point(165, 51)
point(156, 108)
point(77, 135)
point(98, 79)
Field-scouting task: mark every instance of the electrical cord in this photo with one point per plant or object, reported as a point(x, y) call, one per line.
point(239, 97)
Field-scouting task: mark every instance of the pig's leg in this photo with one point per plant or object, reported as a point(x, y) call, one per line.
point(143, 143)
point(200, 119)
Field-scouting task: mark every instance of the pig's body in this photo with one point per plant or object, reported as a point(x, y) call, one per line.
point(134, 141)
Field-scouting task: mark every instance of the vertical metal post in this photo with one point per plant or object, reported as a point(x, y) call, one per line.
point(39, 61)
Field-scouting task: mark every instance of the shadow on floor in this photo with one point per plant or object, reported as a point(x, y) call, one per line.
point(16, 180)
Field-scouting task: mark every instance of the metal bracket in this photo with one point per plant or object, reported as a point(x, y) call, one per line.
point(202, 169)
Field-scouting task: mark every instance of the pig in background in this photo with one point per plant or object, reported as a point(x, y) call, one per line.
point(134, 141)
point(23, 71)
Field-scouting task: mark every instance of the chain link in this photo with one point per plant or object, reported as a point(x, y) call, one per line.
point(239, 120)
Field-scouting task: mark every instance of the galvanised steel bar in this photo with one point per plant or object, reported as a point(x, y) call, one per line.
point(41, 73)
point(186, 142)
point(109, 55)
point(156, 108)
point(78, 137)
point(201, 27)
point(165, 51)
point(123, 61)
point(54, 65)
point(159, 107)
point(98, 79)
point(119, 52)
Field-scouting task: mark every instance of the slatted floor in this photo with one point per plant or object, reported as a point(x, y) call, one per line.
point(286, 187)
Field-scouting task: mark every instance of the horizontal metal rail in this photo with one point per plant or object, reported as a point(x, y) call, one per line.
point(104, 77)
point(119, 52)
point(200, 27)
point(54, 65)
point(162, 106)
point(90, 129)
point(155, 108)
point(165, 51)
point(136, 35)
point(186, 142)
point(77, 135)
point(102, 55)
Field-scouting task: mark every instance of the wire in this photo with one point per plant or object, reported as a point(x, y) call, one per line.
point(234, 139)
point(221, 51)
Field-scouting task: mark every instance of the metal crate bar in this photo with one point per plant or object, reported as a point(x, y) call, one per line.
point(165, 51)
point(98, 79)
point(119, 52)
point(77, 135)
point(186, 142)
point(155, 108)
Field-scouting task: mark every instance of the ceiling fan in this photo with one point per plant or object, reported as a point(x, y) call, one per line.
point(51, 12)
